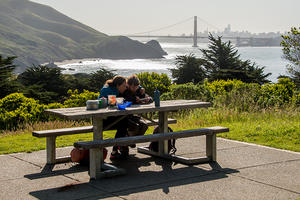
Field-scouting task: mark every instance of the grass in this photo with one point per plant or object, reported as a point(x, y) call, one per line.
point(274, 128)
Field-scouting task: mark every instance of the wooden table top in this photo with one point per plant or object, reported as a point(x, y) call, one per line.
point(165, 106)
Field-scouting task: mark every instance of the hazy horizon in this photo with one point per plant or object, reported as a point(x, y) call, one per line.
point(135, 16)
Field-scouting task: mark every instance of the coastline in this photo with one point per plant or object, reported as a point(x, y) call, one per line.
point(72, 61)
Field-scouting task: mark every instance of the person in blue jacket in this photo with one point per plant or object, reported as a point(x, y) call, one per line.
point(116, 86)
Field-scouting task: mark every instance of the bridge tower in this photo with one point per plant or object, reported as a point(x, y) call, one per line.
point(195, 32)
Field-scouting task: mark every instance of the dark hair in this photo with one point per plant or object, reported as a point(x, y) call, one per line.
point(133, 80)
point(116, 81)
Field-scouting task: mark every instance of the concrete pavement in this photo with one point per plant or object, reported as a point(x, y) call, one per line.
point(242, 171)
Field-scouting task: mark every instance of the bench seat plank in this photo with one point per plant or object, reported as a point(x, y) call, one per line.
point(175, 158)
point(84, 129)
point(63, 131)
point(149, 138)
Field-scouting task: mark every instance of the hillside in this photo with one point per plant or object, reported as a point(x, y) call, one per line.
point(37, 34)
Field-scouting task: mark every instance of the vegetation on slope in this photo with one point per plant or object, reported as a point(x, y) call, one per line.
point(37, 34)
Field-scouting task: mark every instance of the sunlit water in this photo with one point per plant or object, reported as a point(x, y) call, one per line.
point(270, 57)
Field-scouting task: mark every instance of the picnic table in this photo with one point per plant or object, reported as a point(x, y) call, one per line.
point(97, 116)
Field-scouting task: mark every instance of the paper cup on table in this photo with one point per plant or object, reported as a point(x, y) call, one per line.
point(120, 100)
point(112, 100)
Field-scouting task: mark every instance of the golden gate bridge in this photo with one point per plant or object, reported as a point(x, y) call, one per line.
point(239, 41)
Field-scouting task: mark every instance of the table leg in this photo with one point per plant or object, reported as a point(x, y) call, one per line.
point(99, 169)
point(96, 155)
point(163, 146)
point(163, 128)
point(211, 147)
point(51, 149)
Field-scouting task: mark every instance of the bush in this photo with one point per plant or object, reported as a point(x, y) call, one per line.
point(188, 69)
point(7, 82)
point(151, 81)
point(79, 81)
point(188, 91)
point(296, 99)
point(76, 99)
point(55, 105)
point(237, 95)
point(241, 99)
point(97, 79)
point(43, 83)
point(291, 51)
point(221, 86)
point(16, 110)
point(277, 94)
point(92, 82)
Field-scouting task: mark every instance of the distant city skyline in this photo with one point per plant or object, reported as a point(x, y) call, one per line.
point(135, 16)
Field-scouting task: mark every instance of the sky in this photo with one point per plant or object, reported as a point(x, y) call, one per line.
point(126, 17)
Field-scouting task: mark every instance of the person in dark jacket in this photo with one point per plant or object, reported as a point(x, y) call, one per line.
point(136, 94)
point(116, 86)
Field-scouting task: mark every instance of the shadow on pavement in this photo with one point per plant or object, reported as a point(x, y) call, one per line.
point(48, 171)
point(141, 176)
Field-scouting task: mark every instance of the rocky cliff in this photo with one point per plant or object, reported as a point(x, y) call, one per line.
point(37, 34)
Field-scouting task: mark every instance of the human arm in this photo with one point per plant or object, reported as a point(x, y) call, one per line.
point(142, 97)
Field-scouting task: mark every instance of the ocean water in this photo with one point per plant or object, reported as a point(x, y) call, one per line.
point(269, 57)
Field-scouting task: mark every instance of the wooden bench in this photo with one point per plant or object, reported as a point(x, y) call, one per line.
point(52, 134)
point(97, 168)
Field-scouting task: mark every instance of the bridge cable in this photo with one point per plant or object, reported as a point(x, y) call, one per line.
point(208, 23)
point(165, 27)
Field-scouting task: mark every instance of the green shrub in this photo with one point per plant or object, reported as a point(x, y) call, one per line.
point(241, 99)
point(296, 99)
point(8, 83)
point(189, 69)
point(188, 91)
point(277, 94)
point(55, 105)
point(76, 99)
point(221, 86)
point(151, 81)
point(237, 95)
point(43, 83)
point(16, 110)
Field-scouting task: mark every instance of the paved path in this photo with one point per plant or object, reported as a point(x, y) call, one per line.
point(243, 171)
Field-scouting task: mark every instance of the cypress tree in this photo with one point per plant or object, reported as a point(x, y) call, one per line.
point(222, 61)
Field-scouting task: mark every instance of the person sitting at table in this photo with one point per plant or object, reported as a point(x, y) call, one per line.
point(136, 94)
point(116, 86)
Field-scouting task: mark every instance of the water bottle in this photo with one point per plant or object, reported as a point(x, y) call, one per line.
point(157, 98)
